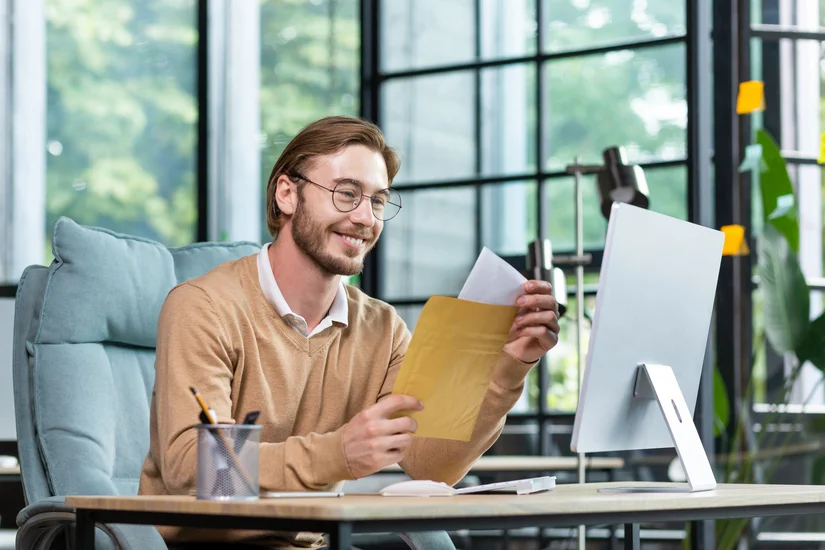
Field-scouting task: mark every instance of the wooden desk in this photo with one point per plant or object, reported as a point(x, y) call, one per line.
point(487, 464)
point(567, 505)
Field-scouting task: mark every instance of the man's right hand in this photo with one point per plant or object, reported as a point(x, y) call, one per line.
point(372, 440)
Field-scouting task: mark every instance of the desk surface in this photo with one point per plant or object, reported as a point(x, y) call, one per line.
point(535, 463)
point(574, 500)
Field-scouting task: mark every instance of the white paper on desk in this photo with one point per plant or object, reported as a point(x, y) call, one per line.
point(493, 281)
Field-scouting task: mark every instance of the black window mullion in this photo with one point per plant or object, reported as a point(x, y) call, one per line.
point(541, 174)
point(202, 166)
point(370, 99)
point(541, 210)
point(772, 122)
point(537, 57)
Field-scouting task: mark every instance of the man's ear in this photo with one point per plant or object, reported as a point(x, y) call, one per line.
point(286, 195)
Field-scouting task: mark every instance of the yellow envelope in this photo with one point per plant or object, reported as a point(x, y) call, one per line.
point(450, 361)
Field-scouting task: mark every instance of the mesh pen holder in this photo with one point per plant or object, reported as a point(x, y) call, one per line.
point(228, 461)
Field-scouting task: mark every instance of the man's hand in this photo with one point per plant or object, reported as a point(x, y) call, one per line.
point(373, 441)
point(535, 329)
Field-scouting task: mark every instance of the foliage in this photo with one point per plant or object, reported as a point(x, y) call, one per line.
point(122, 108)
point(122, 116)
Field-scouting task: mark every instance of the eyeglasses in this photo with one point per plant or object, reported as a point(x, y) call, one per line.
point(347, 195)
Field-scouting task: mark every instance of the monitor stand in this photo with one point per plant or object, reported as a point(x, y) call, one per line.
point(658, 382)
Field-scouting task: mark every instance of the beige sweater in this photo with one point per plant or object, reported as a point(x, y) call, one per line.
point(219, 333)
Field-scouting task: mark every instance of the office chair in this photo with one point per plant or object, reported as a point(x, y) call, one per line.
point(84, 351)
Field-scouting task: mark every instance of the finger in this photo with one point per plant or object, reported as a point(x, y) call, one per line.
point(394, 403)
point(400, 425)
point(537, 332)
point(547, 319)
point(394, 443)
point(538, 287)
point(538, 302)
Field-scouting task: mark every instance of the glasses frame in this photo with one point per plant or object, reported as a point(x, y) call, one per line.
point(297, 176)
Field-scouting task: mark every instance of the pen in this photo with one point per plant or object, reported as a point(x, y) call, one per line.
point(251, 417)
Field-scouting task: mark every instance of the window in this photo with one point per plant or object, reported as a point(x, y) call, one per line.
point(122, 116)
point(486, 116)
point(126, 113)
point(310, 55)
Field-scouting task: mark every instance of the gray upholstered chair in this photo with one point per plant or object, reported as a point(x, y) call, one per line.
point(84, 339)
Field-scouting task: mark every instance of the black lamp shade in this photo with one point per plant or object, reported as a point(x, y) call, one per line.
point(620, 182)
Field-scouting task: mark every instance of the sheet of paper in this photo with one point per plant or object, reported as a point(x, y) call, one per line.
point(493, 281)
point(450, 362)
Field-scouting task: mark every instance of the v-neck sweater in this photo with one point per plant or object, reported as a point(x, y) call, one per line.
point(220, 334)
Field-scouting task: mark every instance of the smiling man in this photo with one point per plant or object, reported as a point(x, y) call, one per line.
point(279, 332)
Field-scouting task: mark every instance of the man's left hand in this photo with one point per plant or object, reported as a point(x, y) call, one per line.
point(535, 329)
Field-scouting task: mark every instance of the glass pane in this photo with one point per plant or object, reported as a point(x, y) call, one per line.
point(579, 24)
point(801, 97)
point(508, 28)
point(668, 195)
point(508, 120)
point(430, 122)
point(808, 14)
point(122, 116)
point(410, 315)
point(426, 33)
point(508, 217)
point(431, 246)
point(634, 98)
point(310, 68)
point(562, 361)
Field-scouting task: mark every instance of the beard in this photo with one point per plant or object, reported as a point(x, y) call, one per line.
point(311, 238)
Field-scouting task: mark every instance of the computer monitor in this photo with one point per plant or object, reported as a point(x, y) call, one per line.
point(647, 343)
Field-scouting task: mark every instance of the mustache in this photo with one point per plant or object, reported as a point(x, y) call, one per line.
point(353, 232)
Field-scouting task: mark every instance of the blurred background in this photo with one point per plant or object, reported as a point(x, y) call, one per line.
point(163, 118)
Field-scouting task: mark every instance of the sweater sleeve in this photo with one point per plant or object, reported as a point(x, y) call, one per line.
point(450, 460)
point(193, 349)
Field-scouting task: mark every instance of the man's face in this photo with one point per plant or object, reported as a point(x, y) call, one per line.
point(338, 241)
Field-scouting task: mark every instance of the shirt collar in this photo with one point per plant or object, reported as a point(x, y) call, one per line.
point(338, 312)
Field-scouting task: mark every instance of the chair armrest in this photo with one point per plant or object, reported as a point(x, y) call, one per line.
point(46, 505)
point(41, 523)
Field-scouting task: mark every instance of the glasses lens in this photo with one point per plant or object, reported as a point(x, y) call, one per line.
point(346, 196)
point(390, 204)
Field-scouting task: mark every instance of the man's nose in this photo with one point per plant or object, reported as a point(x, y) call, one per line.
point(362, 215)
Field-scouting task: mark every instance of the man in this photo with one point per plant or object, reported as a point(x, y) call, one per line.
point(280, 333)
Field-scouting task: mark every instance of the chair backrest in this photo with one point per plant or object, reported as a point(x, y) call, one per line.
point(84, 350)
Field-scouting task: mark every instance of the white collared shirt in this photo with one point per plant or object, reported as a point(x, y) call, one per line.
point(338, 312)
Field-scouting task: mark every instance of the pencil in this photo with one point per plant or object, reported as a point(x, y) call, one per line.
point(201, 402)
point(229, 450)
